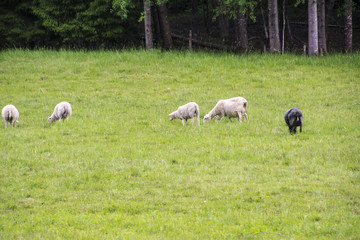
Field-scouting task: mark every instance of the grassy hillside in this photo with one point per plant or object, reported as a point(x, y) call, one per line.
point(119, 169)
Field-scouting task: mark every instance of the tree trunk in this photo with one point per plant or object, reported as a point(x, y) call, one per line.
point(241, 30)
point(283, 29)
point(329, 12)
point(288, 28)
point(322, 27)
point(348, 26)
point(148, 29)
point(274, 26)
point(222, 22)
point(264, 22)
point(312, 28)
point(165, 27)
point(194, 6)
point(156, 24)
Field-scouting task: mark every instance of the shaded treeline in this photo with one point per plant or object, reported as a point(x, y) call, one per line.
point(241, 25)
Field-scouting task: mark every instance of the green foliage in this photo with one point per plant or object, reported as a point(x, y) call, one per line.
point(119, 169)
point(18, 26)
point(78, 22)
point(298, 2)
point(121, 7)
point(233, 7)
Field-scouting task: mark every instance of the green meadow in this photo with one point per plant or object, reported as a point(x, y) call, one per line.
point(119, 169)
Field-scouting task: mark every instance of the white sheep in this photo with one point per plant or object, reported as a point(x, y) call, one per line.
point(233, 107)
point(10, 115)
point(189, 110)
point(62, 110)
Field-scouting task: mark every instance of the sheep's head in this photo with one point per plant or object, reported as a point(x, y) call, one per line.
point(173, 115)
point(14, 123)
point(206, 118)
point(51, 119)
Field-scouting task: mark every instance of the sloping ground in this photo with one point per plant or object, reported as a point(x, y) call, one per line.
point(119, 169)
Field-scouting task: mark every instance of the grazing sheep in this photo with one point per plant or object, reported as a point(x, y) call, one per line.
point(189, 110)
point(10, 115)
point(62, 110)
point(233, 107)
point(293, 118)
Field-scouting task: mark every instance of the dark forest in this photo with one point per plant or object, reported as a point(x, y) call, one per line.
point(228, 25)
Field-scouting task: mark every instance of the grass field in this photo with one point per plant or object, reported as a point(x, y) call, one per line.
point(119, 169)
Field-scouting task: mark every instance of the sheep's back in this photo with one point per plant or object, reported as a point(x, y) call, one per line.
point(12, 109)
point(187, 110)
point(291, 115)
point(233, 106)
point(62, 108)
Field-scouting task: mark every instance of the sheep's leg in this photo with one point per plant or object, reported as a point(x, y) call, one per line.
point(192, 120)
point(183, 122)
point(239, 114)
point(198, 118)
point(6, 124)
point(246, 117)
point(222, 117)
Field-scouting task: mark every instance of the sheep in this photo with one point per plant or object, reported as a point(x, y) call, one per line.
point(189, 110)
point(62, 110)
point(10, 115)
point(233, 107)
point(294, 118)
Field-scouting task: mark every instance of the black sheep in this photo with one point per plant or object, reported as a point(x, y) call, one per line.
point(294, 118)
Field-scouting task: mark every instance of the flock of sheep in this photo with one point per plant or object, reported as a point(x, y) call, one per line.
point(232, 108)
point(11, 114)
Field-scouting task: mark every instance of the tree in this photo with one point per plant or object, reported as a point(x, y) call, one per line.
point(283, 28)
point(242, 37)
point(19, 27)
point(148, 28)
point(312, 28)
point(240, 11)
point(156, 24)
point(348, 26)
point(165, 26)
point(322, 27)
point(274, 26)
point(94, 24)
point(89, 24)
point(223, 19)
